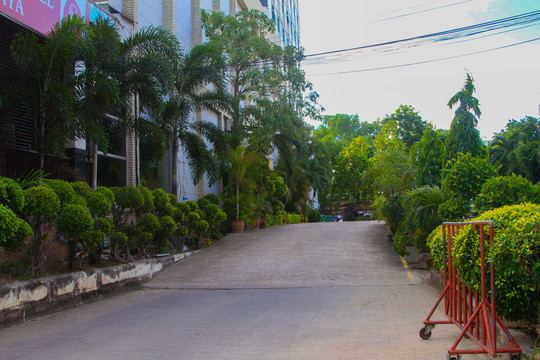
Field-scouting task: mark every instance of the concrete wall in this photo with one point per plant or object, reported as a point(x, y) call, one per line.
point(23, 299)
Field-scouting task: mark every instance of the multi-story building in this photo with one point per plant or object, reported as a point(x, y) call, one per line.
point(182, 18)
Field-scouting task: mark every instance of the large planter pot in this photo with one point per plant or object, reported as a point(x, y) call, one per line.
point(237, 226)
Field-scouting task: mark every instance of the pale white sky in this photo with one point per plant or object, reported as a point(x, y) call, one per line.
point(507, 80)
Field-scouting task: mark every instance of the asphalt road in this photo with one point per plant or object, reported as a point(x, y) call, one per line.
point(308, 291)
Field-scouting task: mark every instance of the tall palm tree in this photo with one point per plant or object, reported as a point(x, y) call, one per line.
point(115, 73)
point(197, 84)
point(45, 91)
point(502, 152)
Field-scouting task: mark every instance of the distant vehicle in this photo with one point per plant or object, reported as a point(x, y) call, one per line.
point(367, 215)
point(339, 218)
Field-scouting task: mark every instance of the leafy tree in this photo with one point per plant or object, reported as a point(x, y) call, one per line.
point(429, 158)
point(350, 172)
point(410, 126)
point(46, 91)
point(464, 137)
point(113, 72)
point(504, 190)
point(256, 66)
point(197, 83)
point(463, 179)
point(392, 172)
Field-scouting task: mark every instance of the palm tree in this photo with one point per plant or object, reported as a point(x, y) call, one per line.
point(502, 152)
point(197, 84)
point(117, 72)
point(46, 92)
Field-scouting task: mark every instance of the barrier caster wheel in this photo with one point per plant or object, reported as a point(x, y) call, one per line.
point(425, 333)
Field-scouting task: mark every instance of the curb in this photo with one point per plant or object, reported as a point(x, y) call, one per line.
point(23, 299)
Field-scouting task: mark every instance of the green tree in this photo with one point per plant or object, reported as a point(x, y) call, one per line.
point(256, 66)
point(46, 91)
point(350, 172)
point(504, 190)
point(112, 72)
point(196, 84)
point(410, 126)
point(464, 137)
point(463, 179)
point(429, 158)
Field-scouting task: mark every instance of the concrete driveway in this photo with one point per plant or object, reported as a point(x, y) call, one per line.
point(308, 291)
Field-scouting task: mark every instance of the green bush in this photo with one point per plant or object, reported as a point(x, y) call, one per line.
point(63, 189)
point(504, 190)
point(98, 203)
point(313, 215)
point(148, 204)
point(79, 200)
point(104, 224)
point(109, 194)
point(162, 203)
point(202, 203)
point(41, 202)
point(11, 195)
point(167, 226)
point(192, 205)
point(92, 241)
point(515, 253)
point(129, 197)
point(81, 188)
point(293, 218)
point(213, 198)
point(75, 220)
point(118, 239)
point(14, 232)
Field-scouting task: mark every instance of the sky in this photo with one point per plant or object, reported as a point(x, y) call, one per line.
point(507, 80)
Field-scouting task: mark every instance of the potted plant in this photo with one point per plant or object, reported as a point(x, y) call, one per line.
point(237, 175)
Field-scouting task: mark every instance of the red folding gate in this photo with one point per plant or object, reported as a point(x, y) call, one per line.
point(472, 312)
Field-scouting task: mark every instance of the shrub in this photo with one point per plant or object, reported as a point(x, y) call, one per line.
point(41, 206)
point(192, 205)
point(92, 242)
point(202, 203)
point(73, 223)
point(504, 190)
point(163, 233)
point(213, 198)
point(14, 232)
point(129, 197)
point(148, 204)
point(11, 195)
point(79, 200)
point(104, 224)
point(313, 215)
point(293, 218)
point(118, 239)
point(63, 190)
point(162, 203)
point(98, 203)
point(109, 194)
point(41, 202)
point(81, 188)
point(515, 253)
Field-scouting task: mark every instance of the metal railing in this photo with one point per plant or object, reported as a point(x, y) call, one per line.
point(473, 312)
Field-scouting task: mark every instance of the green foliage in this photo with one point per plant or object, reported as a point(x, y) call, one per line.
point(104, 224)
point(293, 218)
point(429, 158)
point(98, 203)
point(192, 205)
point(63, 189)
point(14, 232)
point(463, 179)
point(167, 226)
point(390, 210)
point(213, 198)
point(41, 203)
point(148, 204)
point(464, 137)
point(92, 241)
point(202, 203)
point(515, 253)
point(410, 125)
point(74, 221)
point(129, 197)
point(109, 194)
point(313, 215)
point(149, 223)
point(504, 190)
point(162, 203)
point(81, 188)
point(79, 200)
point(118, 239)
point(422, 212)
point(11, 195)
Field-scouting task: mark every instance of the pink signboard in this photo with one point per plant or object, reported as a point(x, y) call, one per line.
point(41, 15)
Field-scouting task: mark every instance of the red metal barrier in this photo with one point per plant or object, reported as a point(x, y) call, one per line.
point(472, 312)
